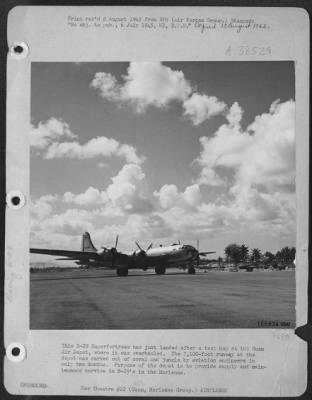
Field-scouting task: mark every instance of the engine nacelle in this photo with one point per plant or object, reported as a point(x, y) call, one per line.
point(139, 258)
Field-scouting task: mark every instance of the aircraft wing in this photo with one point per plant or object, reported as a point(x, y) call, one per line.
point(73, 255)
point(203, 253)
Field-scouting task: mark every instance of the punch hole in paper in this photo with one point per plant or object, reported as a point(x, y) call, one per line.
point(16, 352)
point(19, 50)
point(15, 199)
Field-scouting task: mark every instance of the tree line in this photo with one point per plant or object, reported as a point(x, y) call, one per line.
point(242, 254)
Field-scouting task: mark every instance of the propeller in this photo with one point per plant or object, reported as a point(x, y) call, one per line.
point(140, 248)
point(116, 242)
point(141, 255)
point(114, 251)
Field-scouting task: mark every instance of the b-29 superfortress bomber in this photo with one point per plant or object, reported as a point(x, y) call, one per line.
point(161, 258)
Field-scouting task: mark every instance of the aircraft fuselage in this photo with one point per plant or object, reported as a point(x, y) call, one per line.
point(176, 254)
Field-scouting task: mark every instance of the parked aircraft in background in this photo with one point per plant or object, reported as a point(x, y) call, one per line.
point(161, 258)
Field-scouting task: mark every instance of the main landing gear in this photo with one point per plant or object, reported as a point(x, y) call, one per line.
point(191, 270)
point(160, 269)
point(122, 271)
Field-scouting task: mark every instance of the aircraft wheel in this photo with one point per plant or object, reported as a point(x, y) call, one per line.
point(160, 270)
point(121, 271)
point(191, 270)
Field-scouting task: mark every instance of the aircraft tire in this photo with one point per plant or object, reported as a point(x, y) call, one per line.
point(160, 270)
point(191, 270)
point(122, 271)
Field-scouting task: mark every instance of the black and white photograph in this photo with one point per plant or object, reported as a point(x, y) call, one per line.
point(157, 206)
point(162, 195)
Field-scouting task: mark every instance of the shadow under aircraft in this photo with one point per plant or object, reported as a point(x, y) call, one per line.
point(161, 258)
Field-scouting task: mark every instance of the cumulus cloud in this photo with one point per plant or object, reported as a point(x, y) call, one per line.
point(63, 230)
point(263, 154)
point(169, 196)
point(255, 166)
point(154, 84)
point(150, 227)
point(48, 139)
point(200, 107)
point(42, 207)
point(90, 197)
point(53, 228)
point(192, 195)
point(70, 222)
point(125, 191)
point(146, 84)
point(270, 157)
point(265, 207)
point(97, 147)
point(123, 196)
point(143, 228)
point(107, 86)
point(255, 169)
point(235, 114)
point(47, 132)
point(250, 212)
point(186, 213)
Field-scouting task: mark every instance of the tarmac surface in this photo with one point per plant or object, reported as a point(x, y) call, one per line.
point(98, 299)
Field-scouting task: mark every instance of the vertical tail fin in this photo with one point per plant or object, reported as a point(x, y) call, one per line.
point(86, 243)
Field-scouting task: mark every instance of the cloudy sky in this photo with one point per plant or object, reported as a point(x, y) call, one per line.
point(158, 152)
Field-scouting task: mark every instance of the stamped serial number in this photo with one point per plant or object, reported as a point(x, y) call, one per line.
point(273, 324)
point(247, 50)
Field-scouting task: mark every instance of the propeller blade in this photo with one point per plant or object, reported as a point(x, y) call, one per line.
point(140, 248)
point(116, 242)
point(149, 247)
point(113, 252)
